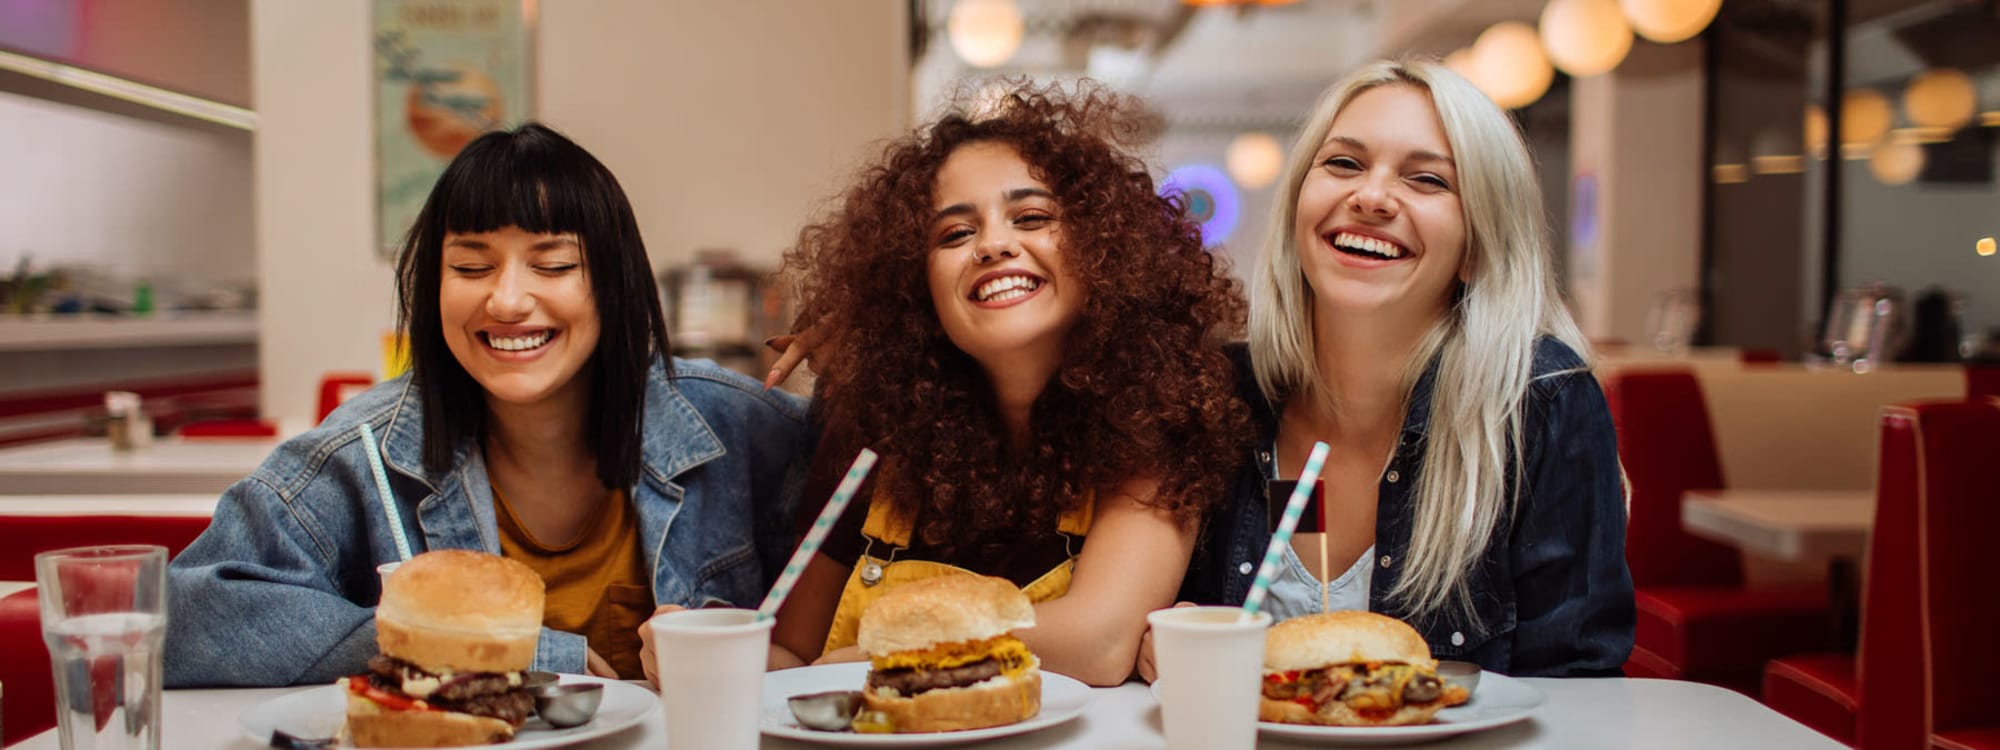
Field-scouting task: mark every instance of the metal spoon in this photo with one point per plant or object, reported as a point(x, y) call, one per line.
point(828, 712)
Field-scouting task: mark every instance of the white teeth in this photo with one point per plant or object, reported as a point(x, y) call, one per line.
point(1369, 245)
point(518, 343)
point(1006, 288)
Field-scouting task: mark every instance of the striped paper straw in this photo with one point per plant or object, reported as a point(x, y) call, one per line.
point(1294, 507)
point(834, 507)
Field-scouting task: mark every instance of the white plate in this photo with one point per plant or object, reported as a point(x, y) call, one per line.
point(1499, 701)
point(1062, 699)
point(320, 712)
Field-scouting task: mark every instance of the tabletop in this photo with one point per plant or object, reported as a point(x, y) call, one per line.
point(89, 466)
point(1613, 712)
point(1790, 525)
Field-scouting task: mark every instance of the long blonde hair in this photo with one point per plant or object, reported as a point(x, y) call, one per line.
point(1485, 343)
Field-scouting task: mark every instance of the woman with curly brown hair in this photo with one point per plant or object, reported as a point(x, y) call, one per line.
point(1032, 337)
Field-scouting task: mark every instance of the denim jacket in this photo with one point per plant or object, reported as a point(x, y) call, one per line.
point(1552, 595)
point(282, 586)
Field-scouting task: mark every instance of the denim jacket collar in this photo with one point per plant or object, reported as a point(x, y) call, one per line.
point(676, 440)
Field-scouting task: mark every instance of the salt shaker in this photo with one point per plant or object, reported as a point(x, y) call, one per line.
point(127, 425)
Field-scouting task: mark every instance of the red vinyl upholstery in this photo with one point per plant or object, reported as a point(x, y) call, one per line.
point(1817, 690)
point(29, 702)
point(29, 706)
point(1982, 382)
point(1697, 621)
point(1960, 502)
point(21, 537)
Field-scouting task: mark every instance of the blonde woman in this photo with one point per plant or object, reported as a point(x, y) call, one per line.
point(1406, 313)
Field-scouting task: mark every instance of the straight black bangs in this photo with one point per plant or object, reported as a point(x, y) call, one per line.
point(531, 177)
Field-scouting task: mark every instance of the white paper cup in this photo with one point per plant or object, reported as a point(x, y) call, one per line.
point(384, 570)
point(1211, 662)
point(711, 668)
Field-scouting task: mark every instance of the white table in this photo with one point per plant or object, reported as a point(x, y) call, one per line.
point(1825, 526)
point(89, 466)
point(1605, 713)
point(1789, 525)
point(160, 505)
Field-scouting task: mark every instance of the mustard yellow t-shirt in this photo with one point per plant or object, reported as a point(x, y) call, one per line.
point(598, 585)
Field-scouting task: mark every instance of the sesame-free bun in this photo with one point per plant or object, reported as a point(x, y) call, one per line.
point(947, 609)
point(369, 725)
point(461, 611)
point(1338, 714)
point(998, 701)
point(1347, 637)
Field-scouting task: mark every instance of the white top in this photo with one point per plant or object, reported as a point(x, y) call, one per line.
point(1580, 713)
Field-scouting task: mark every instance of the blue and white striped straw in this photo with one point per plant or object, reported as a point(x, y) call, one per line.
point(834, 507)
point(382, 490)
point(1294, 507)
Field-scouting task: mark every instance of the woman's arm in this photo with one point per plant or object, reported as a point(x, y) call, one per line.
point(1131, 564)
point(808, 612)
point(1573, 593)
point(255, 600)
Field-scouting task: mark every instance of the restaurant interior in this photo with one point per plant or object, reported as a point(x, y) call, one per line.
point(1775, 221)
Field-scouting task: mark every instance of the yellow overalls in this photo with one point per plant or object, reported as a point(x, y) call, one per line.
point(873, 575)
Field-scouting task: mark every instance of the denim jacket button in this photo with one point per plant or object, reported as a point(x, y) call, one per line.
point(1245, 568)
point(1394, 476)
point(1457, 639)
point(1385, 561)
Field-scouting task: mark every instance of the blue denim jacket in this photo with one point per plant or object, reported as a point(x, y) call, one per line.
point(281, 588)
point(1552, 595)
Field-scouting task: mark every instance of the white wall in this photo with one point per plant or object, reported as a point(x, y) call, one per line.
point(134, 198)
point(726, 123)
point(1921, 235)
point(1638, 129)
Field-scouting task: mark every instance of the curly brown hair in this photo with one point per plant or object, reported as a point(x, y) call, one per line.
point(1143, 388)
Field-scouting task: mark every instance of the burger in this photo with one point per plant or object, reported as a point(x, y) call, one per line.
point(456, 630)
point(1351, 668)
point(942, 658)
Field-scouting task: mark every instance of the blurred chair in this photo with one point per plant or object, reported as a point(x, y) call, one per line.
point(1874, 698)
point(1982, 381)
point(1697, 619)
point(29, 706)
point(24, 536)
point(1960, 503)
point(337, 387)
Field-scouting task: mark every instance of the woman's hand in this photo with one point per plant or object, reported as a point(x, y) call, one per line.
point(1148, 671)
point(792, 349)
point(844, 654)
point(646, 644)
point(597, 666)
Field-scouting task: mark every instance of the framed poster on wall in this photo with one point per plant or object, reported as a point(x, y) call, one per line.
point(445, 72)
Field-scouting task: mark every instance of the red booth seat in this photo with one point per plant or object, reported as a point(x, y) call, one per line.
point(28, 707)
point(1821, 691)
point(1960, 509)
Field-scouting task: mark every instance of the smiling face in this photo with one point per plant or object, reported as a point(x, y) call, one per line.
point(1379, 227)
point(518, 312)
point(997, 275)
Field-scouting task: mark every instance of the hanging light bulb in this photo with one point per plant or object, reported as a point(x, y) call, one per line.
point(1254, 160)
point(1585, 37)
point(1897, 163)
point(1669, 21)
point(1941, 98)
point(1865, 117)
point(1509, 64)
point(984, 33)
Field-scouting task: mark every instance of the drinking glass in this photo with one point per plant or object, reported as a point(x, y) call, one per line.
point(104, 619)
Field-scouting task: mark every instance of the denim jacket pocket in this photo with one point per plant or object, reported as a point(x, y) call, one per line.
point(733, 577)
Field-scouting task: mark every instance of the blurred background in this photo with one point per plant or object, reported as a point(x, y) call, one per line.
point(194, 189)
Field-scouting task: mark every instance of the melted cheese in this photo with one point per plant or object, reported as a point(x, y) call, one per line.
point(1010, 651)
